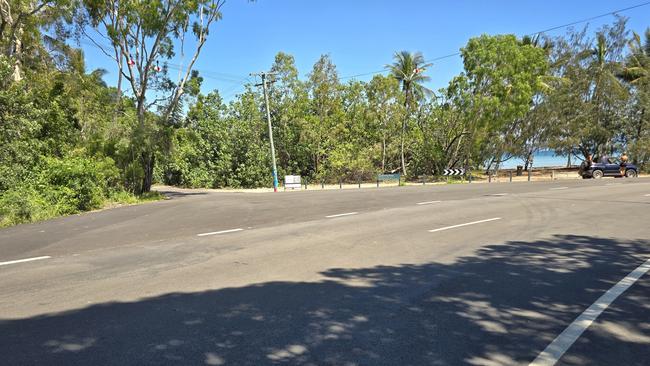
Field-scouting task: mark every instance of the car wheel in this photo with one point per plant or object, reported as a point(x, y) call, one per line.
point(597, 174)
point(630, 173)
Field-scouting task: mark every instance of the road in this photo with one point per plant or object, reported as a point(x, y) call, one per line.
point(478, 274)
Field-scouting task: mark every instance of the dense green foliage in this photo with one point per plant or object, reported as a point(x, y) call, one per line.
point(575, 94)
point(70, 143)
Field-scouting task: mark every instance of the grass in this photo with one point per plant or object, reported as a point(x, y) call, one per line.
point(30, 208)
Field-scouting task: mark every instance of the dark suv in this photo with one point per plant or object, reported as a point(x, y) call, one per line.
point(608, 167)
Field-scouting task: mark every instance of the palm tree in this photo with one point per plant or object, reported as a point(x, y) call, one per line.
point(637, 70)
point(408, 69)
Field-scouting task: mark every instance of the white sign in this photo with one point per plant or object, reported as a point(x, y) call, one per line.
point(292, 181)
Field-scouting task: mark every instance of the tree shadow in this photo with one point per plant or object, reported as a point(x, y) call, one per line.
point(501, 306)
point(172, 194)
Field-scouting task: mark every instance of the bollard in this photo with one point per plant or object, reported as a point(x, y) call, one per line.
point(511, 176)
point(489, 177)
point(552, 174)
point(322, 185)
point(305, 184)
point(377, 182)
point(469, 177)
point(359, 182)
point(340, 184)
point(529, 170)
point(423, 180)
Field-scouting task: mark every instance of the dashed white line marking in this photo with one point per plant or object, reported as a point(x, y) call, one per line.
point(559, 188)
point(220, 232)
point(427, 203)
point(647, 195)
point(563, 342)
point(497, 194)
point(465, 224)
point(343, 214)
point(25, 260)
point(613, 184)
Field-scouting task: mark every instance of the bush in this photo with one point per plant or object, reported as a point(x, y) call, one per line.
point(80, 183)
point(59, 187)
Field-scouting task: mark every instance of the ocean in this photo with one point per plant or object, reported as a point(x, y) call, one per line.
point(542, 159)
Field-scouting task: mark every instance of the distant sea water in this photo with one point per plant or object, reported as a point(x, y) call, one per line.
point(542, 159)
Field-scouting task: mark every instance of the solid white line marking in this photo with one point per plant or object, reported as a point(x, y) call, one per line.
point(24, 260)
point(559, 188)
point(220, 232)
point(343, 214)
point(561, 344)
point(466, 224)
point(427, 203)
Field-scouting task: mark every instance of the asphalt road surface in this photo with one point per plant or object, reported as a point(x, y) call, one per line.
point(481, 274)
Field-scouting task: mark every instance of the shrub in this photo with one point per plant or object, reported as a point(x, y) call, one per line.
point(59, 187)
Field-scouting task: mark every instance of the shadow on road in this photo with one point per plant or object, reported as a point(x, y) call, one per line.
point(171, 194)
point(501, 306)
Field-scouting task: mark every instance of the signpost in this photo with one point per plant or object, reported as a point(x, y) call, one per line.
point(384, 177)
point(292, 182)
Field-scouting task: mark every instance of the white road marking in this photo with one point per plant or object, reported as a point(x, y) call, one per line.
point(25, 260)
point(559, 188)
point(647, 195)
point(497, 194)
point(466, 224)
point(563, 342)
point(613, 184)
point(427, 203)
point(343, 214)
point(220, 232)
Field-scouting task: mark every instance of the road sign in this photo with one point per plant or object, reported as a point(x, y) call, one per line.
point(384, 177)
point(292, 182)
point(453, 172)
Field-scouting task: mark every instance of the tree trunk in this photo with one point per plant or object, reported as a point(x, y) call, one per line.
point(407, 105)
point(568, 162)
point(528, 160)
point(383, 154)
point(147, 158)
point(639, 130)
point(17, 53)
point(148, 161)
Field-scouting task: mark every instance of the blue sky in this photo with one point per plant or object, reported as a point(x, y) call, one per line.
point(362, 35)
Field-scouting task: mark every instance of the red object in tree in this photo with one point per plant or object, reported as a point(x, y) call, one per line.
point(131, 62)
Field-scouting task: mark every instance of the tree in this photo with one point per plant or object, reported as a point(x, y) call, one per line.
point(385, 108)
point(408, 68)
point(591, 107)
point(325, 106)
point(142, 34)
point(20, 28)
point(289, 105)
point(637, 73)
point(502, 75)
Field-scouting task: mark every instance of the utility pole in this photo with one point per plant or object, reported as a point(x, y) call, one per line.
point(263, 75)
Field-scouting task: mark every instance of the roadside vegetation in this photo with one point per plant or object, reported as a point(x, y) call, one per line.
point(71, 143)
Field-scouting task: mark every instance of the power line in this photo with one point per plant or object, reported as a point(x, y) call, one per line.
point(614, 12)
point(242, 81)
point(591, 18)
